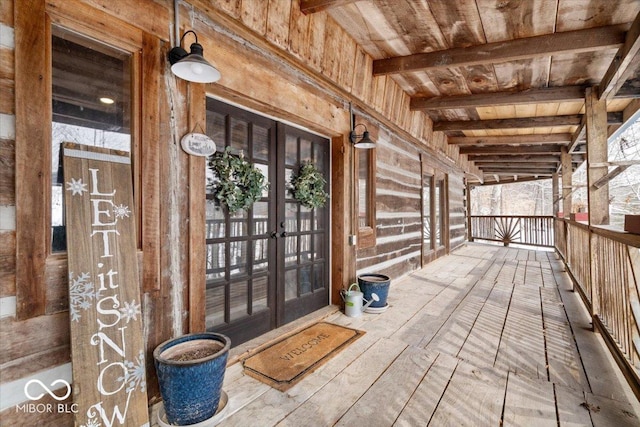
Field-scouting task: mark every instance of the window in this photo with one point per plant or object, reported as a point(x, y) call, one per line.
point(91, 105)
point(440, 213)
point(365, 175)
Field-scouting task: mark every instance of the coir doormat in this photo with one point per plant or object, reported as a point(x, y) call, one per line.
point(286, 362)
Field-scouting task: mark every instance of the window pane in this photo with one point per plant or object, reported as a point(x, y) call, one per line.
point(426, 212)
point(91, 105)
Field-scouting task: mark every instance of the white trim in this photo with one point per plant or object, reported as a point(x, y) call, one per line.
point(396, 238)
point(7, 307)
point(383, 265)
point(12, 393)
point(7, 36)
point(7, 218)
point(7, 126)
point(91, 155)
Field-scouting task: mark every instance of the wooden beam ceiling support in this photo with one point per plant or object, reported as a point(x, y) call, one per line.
point(624, 65)
point(516, 166)
point(519, 172)
point(510, 179)
point(313, 6)
point(528, 158)
point(591, 39)
point(525, 149)
point(530, 96)
point(554, 138)
point(613, 118)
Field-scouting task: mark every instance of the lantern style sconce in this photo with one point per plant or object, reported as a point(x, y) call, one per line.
point(192, 66)
point(361, 140)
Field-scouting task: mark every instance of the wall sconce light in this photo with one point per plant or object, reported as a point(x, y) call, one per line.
point(192, 66)
point(361, 140)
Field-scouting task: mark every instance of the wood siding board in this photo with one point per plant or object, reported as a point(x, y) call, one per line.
point(7, 263)
point(317, 33)
point(7, 173)
point(197, 216)
point(152, 58)
point(278, 16)
point(298, 32)
point(6, 13)
point(361, 84)
point(7, 97)
point(32, 172)
point(347, 63)
point(6, 63)
point(332, 55)
point(232, 8)
point(32, 363)
point(253, 15)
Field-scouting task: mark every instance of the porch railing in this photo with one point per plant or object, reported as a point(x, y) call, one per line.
point(605, 268)
point(524, 230)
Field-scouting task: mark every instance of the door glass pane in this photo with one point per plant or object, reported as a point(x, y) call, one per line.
point(318, 249)
point(291, 284)
point(215, 224)
point(305, 150)
point(305, 218)
point(260, 218)
point(260, 255)
point(305, 248)
point(239, 296)
point(215, 306)
point(291, 150)
point(239, 135)
point(305, 280)
point(259, 294)
point(437, 217)
point(291, 217)
point(291, 250)
point(238, 261)
point(216, 129)
point(260, 143)
point(239, 223)
point(91, 105)
point(264, 169)
point(215, 261)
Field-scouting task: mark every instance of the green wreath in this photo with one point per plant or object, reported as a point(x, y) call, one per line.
point(237, 184)
point(307, 186)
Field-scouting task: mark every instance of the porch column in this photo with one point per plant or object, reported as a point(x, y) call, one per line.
point(567, 178)
point(555, 194)
point(596, 123)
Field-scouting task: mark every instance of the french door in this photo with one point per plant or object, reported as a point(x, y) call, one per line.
point(268, 265)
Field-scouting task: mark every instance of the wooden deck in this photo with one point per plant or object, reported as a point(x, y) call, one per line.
point(487, 336)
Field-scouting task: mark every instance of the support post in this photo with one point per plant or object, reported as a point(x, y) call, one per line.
point(596, 117)
point(567, 181)
point(555, 194)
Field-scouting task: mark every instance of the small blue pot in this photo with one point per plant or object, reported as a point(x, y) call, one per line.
point(375, 283)
point(191, 389)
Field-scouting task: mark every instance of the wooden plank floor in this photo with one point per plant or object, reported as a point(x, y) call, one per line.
point(487, 336)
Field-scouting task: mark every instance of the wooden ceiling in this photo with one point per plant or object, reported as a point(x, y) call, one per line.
point(504, 79)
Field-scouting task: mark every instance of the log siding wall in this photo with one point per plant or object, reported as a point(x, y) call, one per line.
point(274, 59)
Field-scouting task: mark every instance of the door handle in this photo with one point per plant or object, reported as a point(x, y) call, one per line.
point(274, 235)
point(283, 234)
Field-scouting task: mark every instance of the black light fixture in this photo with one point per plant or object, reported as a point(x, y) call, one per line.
point(192, 66)
point(361, 140)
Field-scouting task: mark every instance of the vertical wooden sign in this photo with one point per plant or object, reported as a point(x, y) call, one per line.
point(107, 346)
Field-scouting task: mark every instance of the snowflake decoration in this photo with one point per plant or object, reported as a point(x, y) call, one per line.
point(76, 187)
point(81, 295)
point(93, 422)
point(121, 211)
point(130, 310)
point(135, 374)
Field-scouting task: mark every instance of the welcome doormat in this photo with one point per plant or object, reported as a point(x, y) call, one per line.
point(286, 362)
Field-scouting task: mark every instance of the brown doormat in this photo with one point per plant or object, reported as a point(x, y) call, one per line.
point(286, 362)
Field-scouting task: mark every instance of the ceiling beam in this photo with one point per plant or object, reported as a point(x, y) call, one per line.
point(312, 6)
point(519, 172)
point(553, 138)
point(530, 96)
point(613, 118)
point(511, 166)
point(516, 159)
point(624, 64)
point(499, 149)
point(609, 37)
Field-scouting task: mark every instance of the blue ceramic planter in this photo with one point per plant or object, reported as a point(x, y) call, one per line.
point(191, 389)
point(375, 283)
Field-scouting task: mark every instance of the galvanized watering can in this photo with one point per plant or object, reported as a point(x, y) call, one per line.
point(353, 301)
